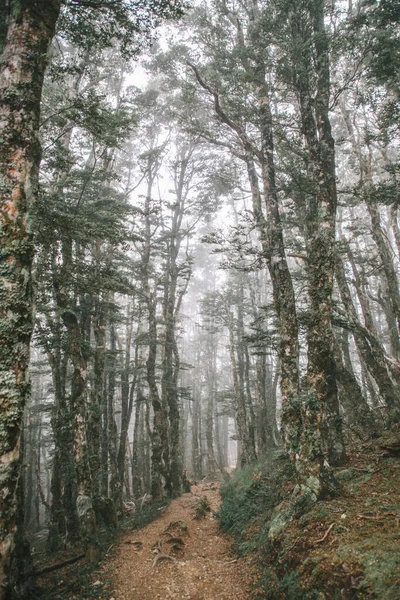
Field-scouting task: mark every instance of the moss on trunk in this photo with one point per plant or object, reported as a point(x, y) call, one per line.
point(22, 68)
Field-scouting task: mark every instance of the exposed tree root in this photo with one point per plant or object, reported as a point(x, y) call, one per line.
point(160, 555)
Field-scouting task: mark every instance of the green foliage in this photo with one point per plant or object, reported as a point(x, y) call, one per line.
point(98, 24)
point(377, 23)
point(248, 503)
point(386, 193)
point(249, 499)
point(287, 588)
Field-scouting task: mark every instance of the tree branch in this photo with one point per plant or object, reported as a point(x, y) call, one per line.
point(238, 129)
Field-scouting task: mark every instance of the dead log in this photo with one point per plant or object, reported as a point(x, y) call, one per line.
point(60, 565)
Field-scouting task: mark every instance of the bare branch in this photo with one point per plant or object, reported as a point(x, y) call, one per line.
point(238, 129)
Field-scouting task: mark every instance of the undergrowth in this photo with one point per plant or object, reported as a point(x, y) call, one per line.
point(81, 581)
point(202, 507)
point(340, 548)
point(248, 500)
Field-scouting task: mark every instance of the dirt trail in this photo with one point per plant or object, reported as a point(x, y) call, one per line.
point(203, 568)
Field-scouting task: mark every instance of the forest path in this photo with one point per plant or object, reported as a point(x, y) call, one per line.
point(204, 567)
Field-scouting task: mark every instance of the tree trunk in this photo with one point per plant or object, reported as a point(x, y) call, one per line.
point(96, 396)
point(137, 489)
point(321, 432)
point(369, 348)
point(246, 454)
point(196, 428)
point(358, 413)
point(127, 395)
point(271, 237)
point(30, 30)
point(270, 228)
point(84, 500)
point(112, 433)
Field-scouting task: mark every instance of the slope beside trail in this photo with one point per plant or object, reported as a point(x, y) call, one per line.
point(203, 565)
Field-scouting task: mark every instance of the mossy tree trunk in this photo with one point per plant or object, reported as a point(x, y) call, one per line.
point(64, 517)
point(31, 26)
point(159, 433)
point(321, 438)
point(247, 452)
point(137, 466)
point(357, 411)
point(78, 401)
point(271, 237)
point(112, 430)
point(170, 365)
point(94, 426)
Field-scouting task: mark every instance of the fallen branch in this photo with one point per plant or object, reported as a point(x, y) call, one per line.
point(60, 565)
point(327, 532)
point(138, 545)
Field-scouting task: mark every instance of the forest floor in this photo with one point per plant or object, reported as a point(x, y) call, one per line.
point(200, 563)
point(343, 548)
point(182, 554)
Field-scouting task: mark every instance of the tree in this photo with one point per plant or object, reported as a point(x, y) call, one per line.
point(30, 29)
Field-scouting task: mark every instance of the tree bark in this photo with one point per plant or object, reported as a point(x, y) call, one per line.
point(30, 30)
point(321, 431)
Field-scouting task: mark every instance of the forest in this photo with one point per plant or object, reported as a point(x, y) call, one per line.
point(199, 282)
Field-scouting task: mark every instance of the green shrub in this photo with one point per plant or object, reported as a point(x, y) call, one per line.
point(248, 500)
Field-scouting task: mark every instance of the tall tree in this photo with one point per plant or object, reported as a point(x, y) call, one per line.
point(31, 27)
point(27, 30)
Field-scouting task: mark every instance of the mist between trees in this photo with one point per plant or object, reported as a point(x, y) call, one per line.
point(206, 263)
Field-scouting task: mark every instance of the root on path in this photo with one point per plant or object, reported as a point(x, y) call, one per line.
point(177, 557)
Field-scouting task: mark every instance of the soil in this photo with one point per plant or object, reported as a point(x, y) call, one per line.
point(201, 566)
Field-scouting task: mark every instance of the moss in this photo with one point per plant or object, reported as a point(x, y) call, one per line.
point(295, 508)
point(319, 513)
point(346, 474)
point(251, 497)
point(342, 548)
point(380, 561)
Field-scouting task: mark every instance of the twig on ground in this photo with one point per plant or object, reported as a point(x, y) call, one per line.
point(327, 532)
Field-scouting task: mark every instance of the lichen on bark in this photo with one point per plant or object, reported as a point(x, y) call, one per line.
point(22, 67)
